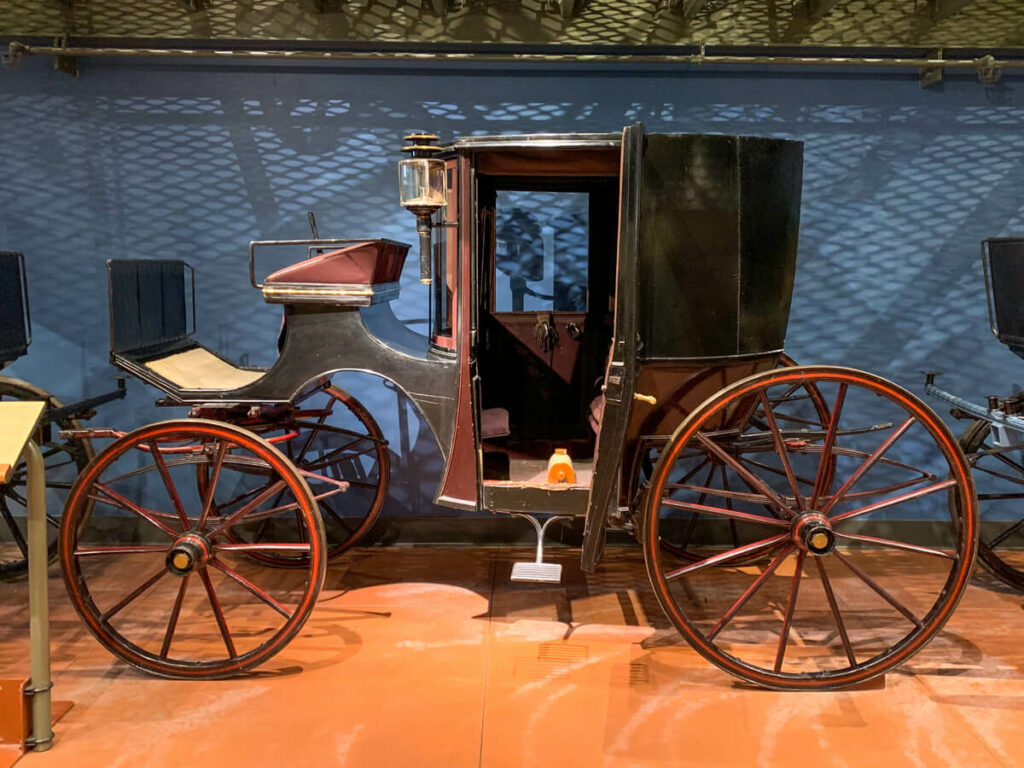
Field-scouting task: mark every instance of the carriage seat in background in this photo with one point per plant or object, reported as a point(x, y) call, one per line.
point(152, 319)
point(15, 328)
point(358, 275)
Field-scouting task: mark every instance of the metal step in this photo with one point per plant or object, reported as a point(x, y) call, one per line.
point(548, 573)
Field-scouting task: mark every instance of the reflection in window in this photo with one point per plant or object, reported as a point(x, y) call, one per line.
point(541, 251)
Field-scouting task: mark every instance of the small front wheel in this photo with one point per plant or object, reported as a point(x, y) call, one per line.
point(154, 570)
point(867, 526)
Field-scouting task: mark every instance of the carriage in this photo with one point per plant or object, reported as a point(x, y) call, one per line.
point(64, 457)
point(608, 315)
point(993, 440)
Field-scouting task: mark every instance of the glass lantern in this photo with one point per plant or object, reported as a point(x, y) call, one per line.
point(421, 183)
point(421, 190)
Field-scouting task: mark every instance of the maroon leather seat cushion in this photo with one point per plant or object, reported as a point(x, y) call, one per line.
point(368, 263)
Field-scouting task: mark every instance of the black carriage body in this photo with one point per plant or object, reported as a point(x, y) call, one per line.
point(719, 217)
point(689, 255)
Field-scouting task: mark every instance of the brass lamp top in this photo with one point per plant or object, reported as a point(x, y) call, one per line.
point(420, 144)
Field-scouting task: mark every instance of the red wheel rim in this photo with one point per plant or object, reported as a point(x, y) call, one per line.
point(154, 577)
point(765, 602)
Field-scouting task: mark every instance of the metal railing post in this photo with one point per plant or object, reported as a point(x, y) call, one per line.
point(38, 600)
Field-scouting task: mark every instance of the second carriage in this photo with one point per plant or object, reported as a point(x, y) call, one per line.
point(623, 298)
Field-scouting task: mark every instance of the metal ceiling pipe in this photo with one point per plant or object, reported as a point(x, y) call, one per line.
point(987, 66)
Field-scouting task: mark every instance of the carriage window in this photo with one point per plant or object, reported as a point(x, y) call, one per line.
point(541, 246)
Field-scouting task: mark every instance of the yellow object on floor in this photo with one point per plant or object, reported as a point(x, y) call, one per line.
point(560, 469)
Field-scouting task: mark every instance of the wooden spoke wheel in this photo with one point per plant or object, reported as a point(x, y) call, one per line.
point(868, 528)
point(153, 572)
point(345, 460)
point(999, 477)
point(64, 459)
point(799, 405)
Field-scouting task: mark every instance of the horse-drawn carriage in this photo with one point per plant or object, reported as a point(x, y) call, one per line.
point(993, 441)
point(64, 457)
point(614, 302)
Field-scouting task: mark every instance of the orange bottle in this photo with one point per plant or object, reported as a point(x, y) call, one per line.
point(560, 469)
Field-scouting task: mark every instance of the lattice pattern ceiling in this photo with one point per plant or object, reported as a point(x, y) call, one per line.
point(874, 23)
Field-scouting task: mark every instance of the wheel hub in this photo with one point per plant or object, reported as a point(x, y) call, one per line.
point(813, 532)
point(189, 552)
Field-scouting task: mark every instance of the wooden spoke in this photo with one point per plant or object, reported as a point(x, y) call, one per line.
point(172, 491)
point(117, 500)
point(124, 602)
point(1006, 534)
point(781, 450)
point(787, 621)
point(252, 505)
point(266, 546)
point(826, 451)
point(242, 496)
point(744, 473)
point(218, 613)
point(172, 622)
point(218, 463)
point(18, 498)
point(732, 554)
point(337, 518)
point(126, 549)
point(702, 509)
point(895, 544)
point(260, 594)
point(895, 500)
point(728, 505)
point(19, 537)
point(691, 524)
point(869, 462)
point(749, 592)
point(880, 591)
point(834, 606)
point(1000, 475)
point(1001, 456)
point(773, 470)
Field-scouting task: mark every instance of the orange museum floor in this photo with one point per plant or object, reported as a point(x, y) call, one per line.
point(429, 657)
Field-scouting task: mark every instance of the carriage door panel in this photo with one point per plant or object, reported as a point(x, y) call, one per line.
point(620, 375)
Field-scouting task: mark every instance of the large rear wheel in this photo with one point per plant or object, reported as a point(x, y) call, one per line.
point(867, 529)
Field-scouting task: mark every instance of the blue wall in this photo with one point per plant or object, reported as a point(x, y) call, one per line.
point(146, 159)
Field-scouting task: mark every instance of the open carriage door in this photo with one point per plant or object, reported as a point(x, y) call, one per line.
point(620, 375)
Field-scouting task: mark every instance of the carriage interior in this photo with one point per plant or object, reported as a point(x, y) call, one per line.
point(548, 224)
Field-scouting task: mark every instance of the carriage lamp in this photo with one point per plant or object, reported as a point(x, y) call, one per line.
point(421, 190)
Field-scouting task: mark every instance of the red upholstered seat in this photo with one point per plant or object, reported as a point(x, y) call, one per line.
point(373, 262)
